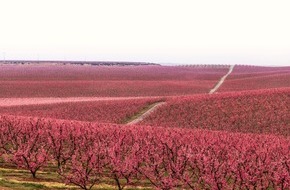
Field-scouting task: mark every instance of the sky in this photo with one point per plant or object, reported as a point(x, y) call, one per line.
point(170, 32)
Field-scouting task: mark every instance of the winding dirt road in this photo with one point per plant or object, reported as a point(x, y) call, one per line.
point(222, 80)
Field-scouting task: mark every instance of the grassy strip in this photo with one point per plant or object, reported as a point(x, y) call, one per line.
point(25, 185)
point(21, 180)
point(29, 185)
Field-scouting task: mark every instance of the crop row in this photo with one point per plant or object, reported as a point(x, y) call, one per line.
point(107, 111)
point(261, 111)
point(168, 158)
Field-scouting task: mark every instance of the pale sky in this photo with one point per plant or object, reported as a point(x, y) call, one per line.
point(253, 32)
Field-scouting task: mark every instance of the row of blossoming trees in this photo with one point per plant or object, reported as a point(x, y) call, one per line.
point(168, 158)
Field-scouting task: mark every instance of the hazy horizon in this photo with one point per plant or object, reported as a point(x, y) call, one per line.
point(156, 31)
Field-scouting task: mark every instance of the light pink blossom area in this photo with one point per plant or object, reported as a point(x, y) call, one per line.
point(6, 102)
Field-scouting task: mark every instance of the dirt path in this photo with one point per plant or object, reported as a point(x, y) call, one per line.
point(146, 114)
point(4, 188)
point(6, 102)
point(222, 80)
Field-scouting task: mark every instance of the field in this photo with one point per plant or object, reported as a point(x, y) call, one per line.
point(89, 81)
point(253, 78)
point(106, 111)
point(255, 111)
point(144, 127)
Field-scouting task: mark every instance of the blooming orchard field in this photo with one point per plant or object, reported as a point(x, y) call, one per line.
point(261, 111)
point(253, 77)
point(104, 73)
point(167, 158)
point(68, 81)
point(57, 133)
point(19, 89)
point(108, 111)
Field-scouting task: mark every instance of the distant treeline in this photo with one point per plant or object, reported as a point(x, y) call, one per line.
point(94, 63)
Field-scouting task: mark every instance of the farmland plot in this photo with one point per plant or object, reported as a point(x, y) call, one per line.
point(106, 111)
point(74, 127)
point(260, 111)
point(80, 81)
point(167, 158)
point(253, 77)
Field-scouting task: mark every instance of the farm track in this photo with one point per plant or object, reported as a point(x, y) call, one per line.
point(7, 102)
point(5, 188)
point(146, 114)
point(221, 81)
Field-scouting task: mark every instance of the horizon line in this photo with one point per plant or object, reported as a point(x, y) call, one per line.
point(18, 61)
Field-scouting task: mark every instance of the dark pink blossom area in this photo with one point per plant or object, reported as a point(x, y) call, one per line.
point(168, 158)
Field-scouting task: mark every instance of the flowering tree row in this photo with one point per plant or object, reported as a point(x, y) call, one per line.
point(107, 111)
point(169, 158)
point(261, 111)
